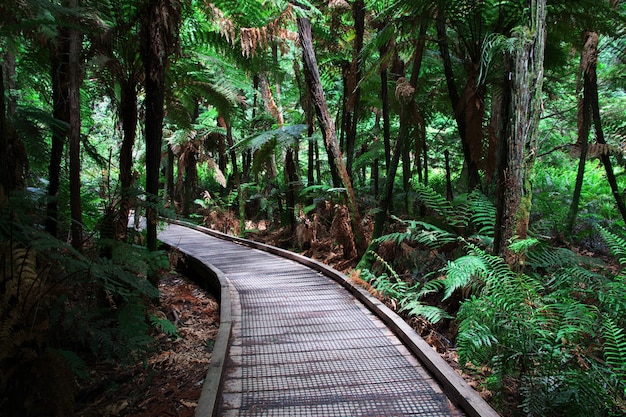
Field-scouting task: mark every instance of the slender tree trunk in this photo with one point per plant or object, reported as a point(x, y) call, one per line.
point(522, 145)
point(449, 194)
point(221, 121)
point(128, 116)
point(405, 115)
point(59, 71)
point(158, 32)
point(291, 176)
point(588, 60)
point(14, 160)
point(460, 107)
point(5, 178)
point(170, 191)
point(605, 158)
point(354, 76)
point(384, 98)
point(75, 48)
point(312, 77)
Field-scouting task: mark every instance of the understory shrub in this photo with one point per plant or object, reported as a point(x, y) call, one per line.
point(62, 309)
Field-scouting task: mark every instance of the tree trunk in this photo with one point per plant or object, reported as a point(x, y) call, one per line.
point(5, 178)
point(327, 127)
point(353, 83)
point(522, 144)
point(604, 157)
point(158, 33)
point(59, 72)
point(407, 103)
point(588, 60)
point(170, 191)
point(384, 98)
point(292, 179)
point(75, 79)
point(128, 116)
point(14, 160)
point(462, 108)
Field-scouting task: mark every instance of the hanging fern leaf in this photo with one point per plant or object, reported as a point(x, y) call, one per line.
point(482, 213)
point(285, 135)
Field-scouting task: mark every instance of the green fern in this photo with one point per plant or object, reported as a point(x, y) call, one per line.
point(436, 202)
point(615, 349)
point(414, 307)
point(421, 233)
point(616, 243)
point(165, 326)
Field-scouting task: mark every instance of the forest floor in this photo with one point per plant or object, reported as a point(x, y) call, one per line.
point(169, 381)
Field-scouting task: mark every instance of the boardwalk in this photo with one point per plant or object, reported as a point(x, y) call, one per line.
point(301, 345)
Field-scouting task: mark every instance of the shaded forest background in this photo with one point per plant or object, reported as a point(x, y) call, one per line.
point(463, 159)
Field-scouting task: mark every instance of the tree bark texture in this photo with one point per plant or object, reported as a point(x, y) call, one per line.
point(158, 34)
point(128, 116)
point(521, 148)
point(588, 60)
point(59, 72)
point(327, 126)
point(463, 106)
point(75, 48)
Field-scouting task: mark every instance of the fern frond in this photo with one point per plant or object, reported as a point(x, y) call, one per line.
point(522, 245)
point(421, 233)
point(164, 325)
point(483, 213)
point(435, 202)
point(615, 348)
point(616, 243)
point(385, 264)
point(542, 255)
point(431, 313)
point(462, 272)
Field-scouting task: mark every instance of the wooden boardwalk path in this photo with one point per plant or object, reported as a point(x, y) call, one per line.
point(294, 342)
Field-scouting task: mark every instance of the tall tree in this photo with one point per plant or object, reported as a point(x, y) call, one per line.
point(59, 72)
point(75, 81)
point(353, 83)
point(327, 127)
point(588, 59)
point(159, 31)
point(519, 152)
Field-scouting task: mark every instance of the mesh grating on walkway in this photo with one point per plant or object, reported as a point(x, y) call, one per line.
point(303, 346)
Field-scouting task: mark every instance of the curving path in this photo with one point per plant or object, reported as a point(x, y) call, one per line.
point(297, 343)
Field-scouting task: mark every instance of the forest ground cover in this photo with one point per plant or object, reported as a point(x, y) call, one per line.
point(168, 381)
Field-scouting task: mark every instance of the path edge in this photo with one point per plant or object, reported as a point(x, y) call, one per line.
point(209, 397)
point(455, 387)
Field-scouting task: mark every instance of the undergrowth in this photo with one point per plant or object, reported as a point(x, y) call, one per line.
point(62, 309)
point(549, 338)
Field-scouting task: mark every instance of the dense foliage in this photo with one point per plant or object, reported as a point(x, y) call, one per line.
point(469, 155)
